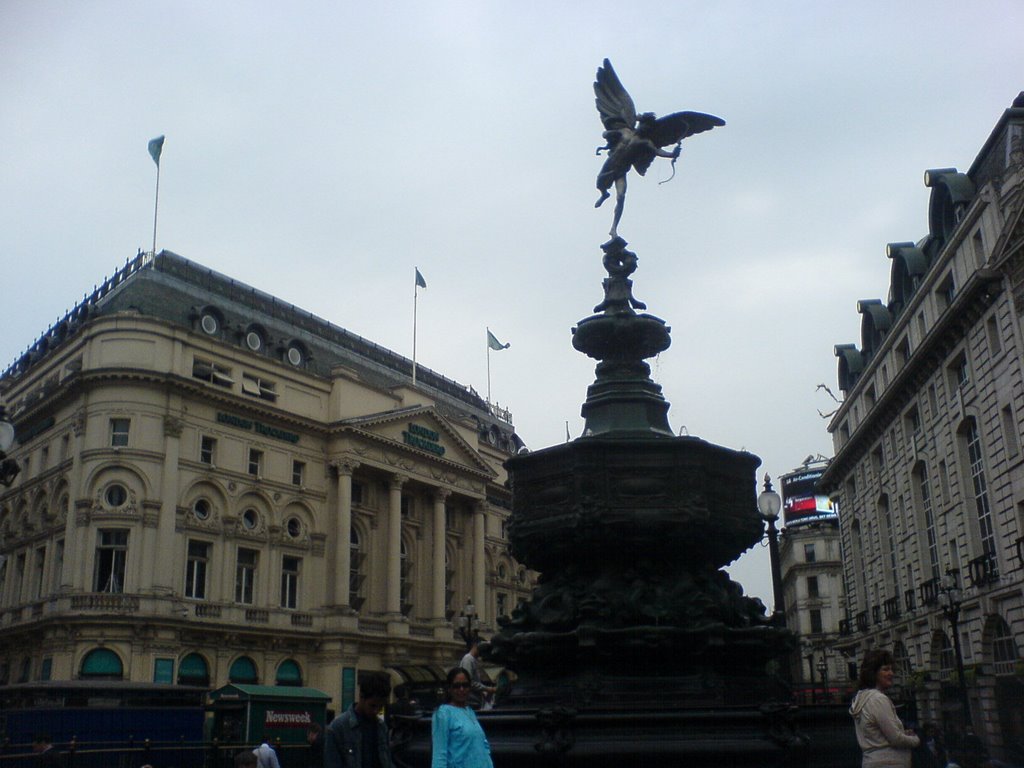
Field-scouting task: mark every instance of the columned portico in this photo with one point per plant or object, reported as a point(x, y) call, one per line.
point(438, 606)
point(393, 605)
point(343, 531)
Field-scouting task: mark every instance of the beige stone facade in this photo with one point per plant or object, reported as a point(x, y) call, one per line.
point(215, 484)
point(928, 467)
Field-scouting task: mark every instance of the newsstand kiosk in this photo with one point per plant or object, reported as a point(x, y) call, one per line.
point(246, 715)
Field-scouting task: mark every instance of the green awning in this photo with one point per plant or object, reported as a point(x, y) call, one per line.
point(193, 669)
point(288, 673)
point(102, 663)
point(243, 670)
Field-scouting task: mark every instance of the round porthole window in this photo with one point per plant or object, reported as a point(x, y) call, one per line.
point(116, 495)
point(295, 356)
point(210, 324)
point(254, 341)
point(201, 509)
point(250, 518)
point(294, 527)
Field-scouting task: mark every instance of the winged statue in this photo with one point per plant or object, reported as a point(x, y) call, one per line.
point(635, 140)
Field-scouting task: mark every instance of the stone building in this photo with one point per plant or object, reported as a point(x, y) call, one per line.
point(928, 468)
point(810, 559)
point(218, 486)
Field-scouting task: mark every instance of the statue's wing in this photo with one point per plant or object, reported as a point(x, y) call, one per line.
point(673, 128)
point(614, 104)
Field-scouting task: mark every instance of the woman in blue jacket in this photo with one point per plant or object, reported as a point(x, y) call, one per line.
point(458, 739)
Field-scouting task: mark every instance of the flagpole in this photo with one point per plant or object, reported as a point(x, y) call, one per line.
point(415, 296)
point(488, 369)
point(156, 206)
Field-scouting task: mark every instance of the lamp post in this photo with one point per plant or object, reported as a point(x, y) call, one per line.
point(769, 504)
point(9, 468)
point(951, 598)
point(823, 674)
point(468, 617)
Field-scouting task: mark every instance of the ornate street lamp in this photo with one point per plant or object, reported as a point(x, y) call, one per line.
point(9, 468)
point(769, 504)
point(951, 598)
point(468, 619)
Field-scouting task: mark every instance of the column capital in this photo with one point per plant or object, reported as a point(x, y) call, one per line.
point(396, 481)
point(441, 495)
point(480, 506)
point(344, 466)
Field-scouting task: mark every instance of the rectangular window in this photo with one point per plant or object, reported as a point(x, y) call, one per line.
point(163, 670)
point(65, 447)
point(978, 244)
point(255, 462)
point(298, 473)
point(245, 576)
point(58, 566)
point(981, 502)
point(959, 372)
point(946, 292)
point(37, 581)
point(809, 554)
point(111, 557)
point(207, 450)
point(46, 668)
point(1011, 439)
point(812, 586)
point(358, 493)
point(502, 604)
point(19, 578)
point(195, 569)
point(119, 432)
point(214, 373)
point(290, 581)
point(995, 344)
point(406, 506)
point(44, 458)
point(259, 387)
point(816, 626)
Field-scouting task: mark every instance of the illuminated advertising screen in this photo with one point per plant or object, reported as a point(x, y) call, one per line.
point(802, 502)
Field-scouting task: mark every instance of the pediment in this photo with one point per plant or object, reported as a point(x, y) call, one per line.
point(421, 431)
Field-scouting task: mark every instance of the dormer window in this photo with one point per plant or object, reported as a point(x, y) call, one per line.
point(255, 338)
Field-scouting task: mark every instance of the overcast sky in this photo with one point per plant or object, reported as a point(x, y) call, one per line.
point(321, 150)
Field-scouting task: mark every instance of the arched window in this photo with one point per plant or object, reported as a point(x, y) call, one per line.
point(102, 664)
point(193, 670)
point(289, 673)
point(243, 670)
point(1004, 648)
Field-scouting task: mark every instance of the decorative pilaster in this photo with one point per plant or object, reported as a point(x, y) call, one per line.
point(438, 587)
point(394, 563)
point(479, 562)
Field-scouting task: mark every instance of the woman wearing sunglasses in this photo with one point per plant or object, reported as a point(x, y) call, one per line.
point(458, 739)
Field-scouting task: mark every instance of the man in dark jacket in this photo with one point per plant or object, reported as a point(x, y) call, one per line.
point(358, 738)
point(47, 755)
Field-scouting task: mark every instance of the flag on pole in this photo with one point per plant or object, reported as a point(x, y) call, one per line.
point(156, 146)
point(420, 282)
point(493, 343)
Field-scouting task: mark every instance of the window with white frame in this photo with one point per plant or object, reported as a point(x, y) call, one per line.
point(290, 581)
point(119, 432)
point(208, 450)
point(255, 462)
point(195, 569)
point(259, 387)
point(245, 575)
point(214, 373)
point(111, 558)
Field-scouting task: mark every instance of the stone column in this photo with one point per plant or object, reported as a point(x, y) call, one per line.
point(438, 607)
point(343, 531)
point(393, 606)
point(479, 569)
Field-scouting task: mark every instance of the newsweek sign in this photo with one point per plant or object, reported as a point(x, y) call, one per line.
point(802, 502)
point(278, 718)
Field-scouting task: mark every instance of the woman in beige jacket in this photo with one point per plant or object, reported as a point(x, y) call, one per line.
point(880, 733)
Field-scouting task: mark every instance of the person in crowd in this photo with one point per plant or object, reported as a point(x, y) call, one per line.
point(265, 755)
point(47, 755)
point(471, 663)
point(880, 733)
point(245, 759)
point(358, 737)
point(457, 736)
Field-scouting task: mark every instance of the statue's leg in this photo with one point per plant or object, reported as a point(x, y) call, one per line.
point(620, 201)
